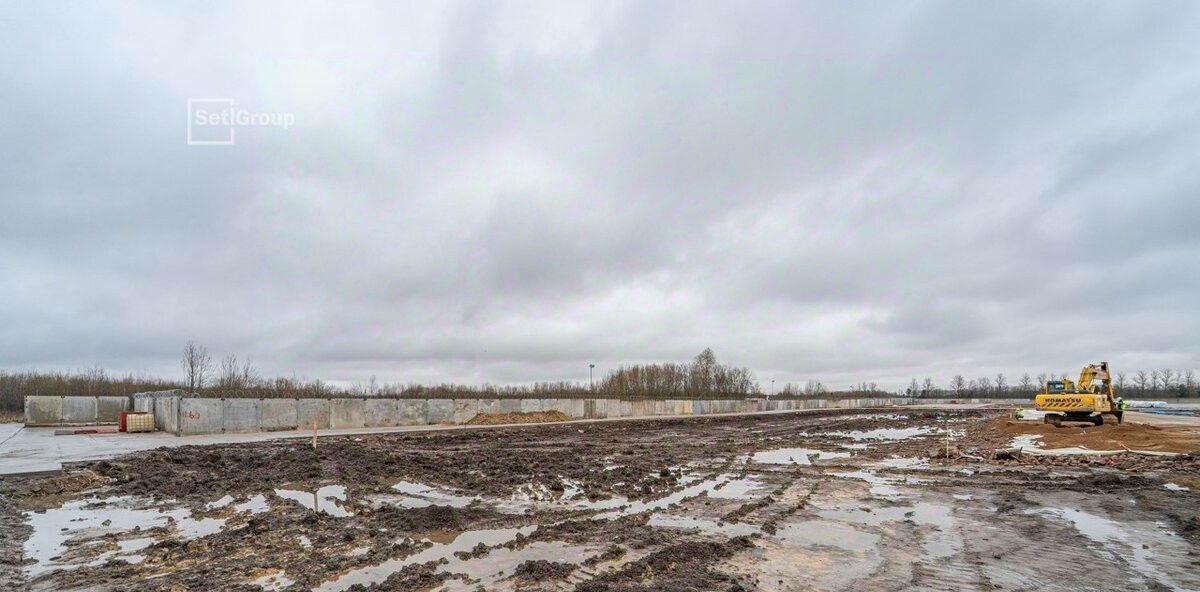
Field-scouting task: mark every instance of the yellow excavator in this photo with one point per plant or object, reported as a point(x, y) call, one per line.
point(1084, 401)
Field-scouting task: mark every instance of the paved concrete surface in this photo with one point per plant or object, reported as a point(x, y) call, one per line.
point(1163, 420)
point(37, 450)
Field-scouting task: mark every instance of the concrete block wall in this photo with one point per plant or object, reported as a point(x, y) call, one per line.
point(308, 409)
point(380, 413)
point(281, 414)
point(73, 411)
point(347, 413)
point(187, 415)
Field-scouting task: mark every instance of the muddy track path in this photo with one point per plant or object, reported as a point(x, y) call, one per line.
point(840, 500)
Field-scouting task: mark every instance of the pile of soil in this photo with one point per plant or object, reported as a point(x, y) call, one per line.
point(519, 417)
point(536, 570)
point(1110, 436)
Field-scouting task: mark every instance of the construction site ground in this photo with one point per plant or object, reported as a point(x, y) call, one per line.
point(898, 499)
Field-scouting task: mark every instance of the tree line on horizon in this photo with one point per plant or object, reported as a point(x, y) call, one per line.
point(701, 377)
point(1164, 382)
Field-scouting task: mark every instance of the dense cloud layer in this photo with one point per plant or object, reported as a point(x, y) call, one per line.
point(504, 192)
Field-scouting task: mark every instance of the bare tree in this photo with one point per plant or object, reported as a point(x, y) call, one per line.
point(1026, 385)
point(1189, 381)
point(196, 365)
point(1042, 379)
point(1143, 380)
point(914, 388)
point(1166, 377)
point(1001, 383)
point(985, 385)
point(814, 387)
point(958, 384)
point(1121, 380)
point(927, 387)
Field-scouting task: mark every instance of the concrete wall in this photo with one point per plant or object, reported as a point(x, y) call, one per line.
point(308, 409)
point(411, 412)
point(73, 411)
point(439, 411)
point(43, 411)
point(108, 409)
point(186, 415)
point(195, 416)
point(347, 413)
point(380, 413)
point(281, 414)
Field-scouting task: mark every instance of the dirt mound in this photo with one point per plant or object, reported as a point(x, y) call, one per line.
point(519, 417)
point(1110, 436)
point(536, 570)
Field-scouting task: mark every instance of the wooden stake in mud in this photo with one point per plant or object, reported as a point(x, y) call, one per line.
point(314, 431)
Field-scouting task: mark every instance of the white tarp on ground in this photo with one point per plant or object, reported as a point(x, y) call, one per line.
point(1145, 404)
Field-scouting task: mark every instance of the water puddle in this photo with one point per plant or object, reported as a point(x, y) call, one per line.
point(1025, 441)
point(273, 581)
point(418, 495)
point(737, 489)
point(442, 550)
point(943, 542)
point(897, 462)
point(708, 486)
point(1109, 535)
point(795, 456)
point(708, 526)
point(324, 499)
point(826, 533)
point(888, 434)
point(92, 518)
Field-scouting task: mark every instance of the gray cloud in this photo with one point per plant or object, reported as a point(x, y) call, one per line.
point(481, 192)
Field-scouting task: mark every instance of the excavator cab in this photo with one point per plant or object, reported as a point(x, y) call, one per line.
point(1085, 401)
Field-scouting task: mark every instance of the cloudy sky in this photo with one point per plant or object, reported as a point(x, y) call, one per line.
point(505, 191)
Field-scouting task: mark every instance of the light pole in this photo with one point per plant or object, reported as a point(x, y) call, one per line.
point(591, 383)
point(772, 389)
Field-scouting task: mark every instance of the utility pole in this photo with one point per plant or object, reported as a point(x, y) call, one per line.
point(591, 382)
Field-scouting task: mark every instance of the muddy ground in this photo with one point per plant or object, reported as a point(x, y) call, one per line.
point(838, 500)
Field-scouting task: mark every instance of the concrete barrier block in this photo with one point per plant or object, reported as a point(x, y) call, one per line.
point(573, 408)
point(307, 409)
point(682, 407)
point(380, 413)
point(347, 413)
point(440, 411)
point(166, 414)
point(489, 405)
point(281, 414)
point(532, 405)
point(108, 409)
point(78, 411)
point(411, 412)
point(144, 404)
point(43, 411)
point(241, 415)
point(465, 410)
point(624, 408)
point(196, 415)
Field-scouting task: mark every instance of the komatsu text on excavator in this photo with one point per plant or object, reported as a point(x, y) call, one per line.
point(1085, 401)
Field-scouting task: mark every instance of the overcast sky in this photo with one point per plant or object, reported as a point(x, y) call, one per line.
point(503, 192)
